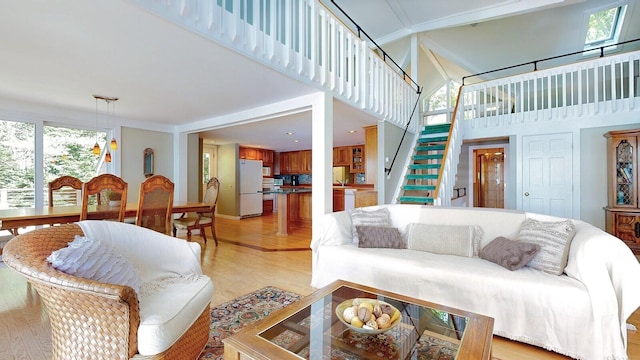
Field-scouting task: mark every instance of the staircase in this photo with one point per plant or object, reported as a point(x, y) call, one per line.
point(422, 176)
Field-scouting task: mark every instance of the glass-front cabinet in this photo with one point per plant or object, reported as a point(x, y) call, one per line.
point(622, 211)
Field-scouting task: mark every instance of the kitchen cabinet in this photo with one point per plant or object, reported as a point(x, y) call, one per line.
point(265, 155)
point(338, 200)
point(357, 159)
point(622, 214)
point(295, 162)
point(341, 156)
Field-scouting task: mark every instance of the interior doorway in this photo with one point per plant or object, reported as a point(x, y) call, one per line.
point(489, 177)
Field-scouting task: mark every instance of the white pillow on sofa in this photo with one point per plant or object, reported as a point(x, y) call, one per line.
point(95, 260)
point(554, 239)
point(459, 240)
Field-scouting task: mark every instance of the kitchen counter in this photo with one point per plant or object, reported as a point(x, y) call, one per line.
point(294, 202)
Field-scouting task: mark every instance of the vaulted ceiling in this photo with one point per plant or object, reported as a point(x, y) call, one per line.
point(56, 54)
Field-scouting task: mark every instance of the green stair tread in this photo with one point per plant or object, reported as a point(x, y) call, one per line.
point(416, 199)
point(431, 129)
point(421, 176)
point(424, 166)
point(428, 157)
point(428, 139)
point(430, 147)
point(419, 187)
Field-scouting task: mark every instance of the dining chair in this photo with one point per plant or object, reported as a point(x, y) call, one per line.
point(154, 204)
point(59, 189)
point(104, 197)
point(201, 220)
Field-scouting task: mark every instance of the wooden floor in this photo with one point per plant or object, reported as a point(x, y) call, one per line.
point(249, 257)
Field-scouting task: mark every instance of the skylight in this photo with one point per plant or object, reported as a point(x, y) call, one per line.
point(604, 27)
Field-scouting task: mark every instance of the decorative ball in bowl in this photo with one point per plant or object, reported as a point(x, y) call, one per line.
point(368, 316)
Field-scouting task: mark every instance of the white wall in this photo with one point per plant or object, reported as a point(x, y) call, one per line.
point(133, 143)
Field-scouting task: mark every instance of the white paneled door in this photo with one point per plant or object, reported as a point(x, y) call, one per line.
point(547, 179)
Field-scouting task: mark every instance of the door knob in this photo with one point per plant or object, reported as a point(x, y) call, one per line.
point(526, 194)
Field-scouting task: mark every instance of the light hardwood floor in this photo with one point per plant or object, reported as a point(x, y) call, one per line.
point(249, 257)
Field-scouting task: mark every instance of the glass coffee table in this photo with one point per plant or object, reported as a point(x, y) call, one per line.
point(310, 329)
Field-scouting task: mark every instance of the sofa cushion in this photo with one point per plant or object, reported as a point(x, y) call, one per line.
point(509, 253)
point(554, 239)
point(379, 217)
point(459, 240)
point(95, 260)
point(168, 307)
point(370, 236)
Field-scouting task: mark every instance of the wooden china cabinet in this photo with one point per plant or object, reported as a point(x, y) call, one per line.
point(622, 214)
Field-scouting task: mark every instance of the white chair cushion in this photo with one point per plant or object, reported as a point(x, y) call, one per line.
point(168, 308)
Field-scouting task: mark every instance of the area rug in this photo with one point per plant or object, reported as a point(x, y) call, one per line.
point(232, 316)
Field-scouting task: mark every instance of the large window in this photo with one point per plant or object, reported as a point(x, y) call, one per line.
point(438, 108)
point(65, 151)
point(68, 152)
point(17, 151)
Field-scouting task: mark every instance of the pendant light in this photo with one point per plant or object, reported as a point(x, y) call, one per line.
point(96, 147)
point(113, 144)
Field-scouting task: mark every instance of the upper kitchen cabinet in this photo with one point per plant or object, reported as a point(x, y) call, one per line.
point(295, 162)
point(357, 159)
point(265, 155)
point(341, 156)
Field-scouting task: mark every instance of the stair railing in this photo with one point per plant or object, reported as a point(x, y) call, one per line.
point(447, 174)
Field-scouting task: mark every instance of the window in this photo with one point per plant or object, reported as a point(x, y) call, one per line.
point(65, 151)
point(17, 152)
point(438, 108)
point(603, 27)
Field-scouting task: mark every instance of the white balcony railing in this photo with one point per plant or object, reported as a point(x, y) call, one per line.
point(302, 39)
point(590, 88)
point(596, 87)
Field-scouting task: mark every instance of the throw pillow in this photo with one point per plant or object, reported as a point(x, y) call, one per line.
point(95, 260)
point(379, 237)
point(554, 239)
point(459, 240)
point(380, 217)
point(508, 253)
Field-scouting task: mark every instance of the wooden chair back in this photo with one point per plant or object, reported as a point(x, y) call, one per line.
point(58, 187)
point(211, 193)
point(104, 197)
point(154, 204)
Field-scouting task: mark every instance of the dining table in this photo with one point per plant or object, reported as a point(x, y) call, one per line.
point(14, 219)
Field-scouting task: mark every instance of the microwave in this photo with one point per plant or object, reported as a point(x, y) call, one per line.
point(266, 171)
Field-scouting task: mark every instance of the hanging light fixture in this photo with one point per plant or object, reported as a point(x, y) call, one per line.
point(96, 147)
point(113, 145)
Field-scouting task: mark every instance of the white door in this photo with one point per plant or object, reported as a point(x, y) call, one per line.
point(547, 179)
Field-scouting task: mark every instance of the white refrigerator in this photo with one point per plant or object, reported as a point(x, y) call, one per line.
point(250, 184)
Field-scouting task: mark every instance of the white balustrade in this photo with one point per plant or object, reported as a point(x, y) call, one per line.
point(302, 39)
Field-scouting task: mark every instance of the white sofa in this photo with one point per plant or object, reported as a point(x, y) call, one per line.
point(581, 313)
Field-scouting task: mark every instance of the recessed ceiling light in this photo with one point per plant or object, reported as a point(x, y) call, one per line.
point(353, 131)
point(289, 133)
point(296, 141)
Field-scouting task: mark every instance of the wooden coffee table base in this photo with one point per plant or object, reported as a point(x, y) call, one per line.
point(309, 328)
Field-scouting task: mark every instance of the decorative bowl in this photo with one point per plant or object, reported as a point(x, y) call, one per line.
point(348, 303)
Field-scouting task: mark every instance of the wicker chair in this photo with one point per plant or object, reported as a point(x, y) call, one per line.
point(201, 220)
point(154, 204)
point(89, 319)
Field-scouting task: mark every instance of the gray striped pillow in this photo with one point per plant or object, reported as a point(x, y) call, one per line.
point(380, 217)
point(554, 239)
